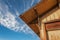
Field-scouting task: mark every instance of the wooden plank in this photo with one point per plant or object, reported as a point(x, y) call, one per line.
point(54, 35)
point(43, 33)
point(34, 25)
point(35, 28)
point(51, 16)
point(59, 1)
point(45, 6)
point(53, 26)
point(28, 16)
point(42, 7)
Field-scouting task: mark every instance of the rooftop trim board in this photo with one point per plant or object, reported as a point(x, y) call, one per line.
point(31, 15)
point(35, 28)
point(40, 8)
point(28, 16)
point(45, 6)
point(53, 26)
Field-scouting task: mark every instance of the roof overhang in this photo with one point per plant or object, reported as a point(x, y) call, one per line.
point(30, 16)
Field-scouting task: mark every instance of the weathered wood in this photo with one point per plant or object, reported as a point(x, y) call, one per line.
point(44, 30)
point(54, 35)
point(53, 32)
point(59, 1)
point(35, 28)
point(45, 6)
point(42, 7)
point(52, 15)
point(43, 33)
point(53, 25)
point(31, 15)
point(28, 16)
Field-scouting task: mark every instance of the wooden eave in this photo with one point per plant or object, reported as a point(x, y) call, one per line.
point(30, 16)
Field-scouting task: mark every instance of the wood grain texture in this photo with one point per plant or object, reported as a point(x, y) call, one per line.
point(54, 35)
point(45, 6)
point(43, 33)
point(40, 8)
point(53, 16)
point(35, 28)
point(53, 26)
point(59, 1)
point(28, 16)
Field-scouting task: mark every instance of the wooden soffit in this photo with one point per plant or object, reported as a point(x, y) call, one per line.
point(30, 16)
point(37, 10)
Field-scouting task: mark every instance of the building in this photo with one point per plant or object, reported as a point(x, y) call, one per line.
point(44, 19)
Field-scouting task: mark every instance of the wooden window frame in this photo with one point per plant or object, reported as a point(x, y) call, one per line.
point(44, 29)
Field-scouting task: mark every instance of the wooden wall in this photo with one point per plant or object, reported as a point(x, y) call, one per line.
point(52, 16)
point(31, 15)
point(54, 35)
point(38, 10)
point(49, 30)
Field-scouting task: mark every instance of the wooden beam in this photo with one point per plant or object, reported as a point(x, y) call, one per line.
point(50, 24)
point(35, 28)
point(43, 33)
point(55, 25)
point(40, 8)
point(59, 1)
point(31, 15)
point(45, 6)
point(28, 16)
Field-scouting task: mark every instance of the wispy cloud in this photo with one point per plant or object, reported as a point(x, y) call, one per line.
point(32, 2)
point(9, 20)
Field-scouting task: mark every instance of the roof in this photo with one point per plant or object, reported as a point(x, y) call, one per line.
point(30, 16)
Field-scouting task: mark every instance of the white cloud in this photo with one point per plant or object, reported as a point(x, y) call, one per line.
point(32, 2)
point(17, 13)
point(26, 29)
point(9, 20)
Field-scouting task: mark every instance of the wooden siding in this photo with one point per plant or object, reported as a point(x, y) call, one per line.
point(52, 16)
point(45, 31)
point(53, 30)
point(52, 25)
point(29, 16)
point(54, 35)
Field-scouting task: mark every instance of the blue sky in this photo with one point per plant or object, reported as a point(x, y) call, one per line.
point(11, 26)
